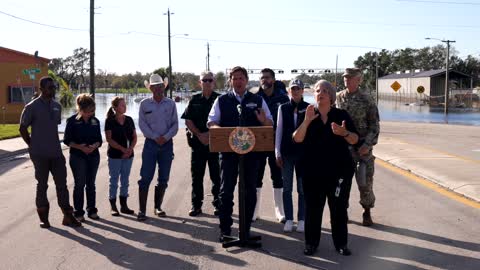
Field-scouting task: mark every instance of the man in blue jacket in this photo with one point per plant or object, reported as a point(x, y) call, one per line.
point(274, 94)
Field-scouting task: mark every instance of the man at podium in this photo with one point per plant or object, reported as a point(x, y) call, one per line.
point(238, 107)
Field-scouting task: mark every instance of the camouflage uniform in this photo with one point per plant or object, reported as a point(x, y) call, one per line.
point(364, 113)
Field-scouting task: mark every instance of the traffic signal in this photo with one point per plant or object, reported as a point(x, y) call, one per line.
point(294, 71)
point(311, 71)
point(326, 71)
point(280, 71)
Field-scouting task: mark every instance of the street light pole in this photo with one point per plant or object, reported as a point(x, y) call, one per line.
point(170, 82)
point(446, 71)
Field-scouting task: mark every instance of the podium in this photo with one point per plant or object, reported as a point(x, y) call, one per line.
point(241, 140)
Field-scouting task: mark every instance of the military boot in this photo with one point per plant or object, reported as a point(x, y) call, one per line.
point(124, 207)
point(367, 218)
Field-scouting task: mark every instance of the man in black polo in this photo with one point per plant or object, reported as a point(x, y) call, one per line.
point(43, 114)
point(196, 116)
point(274, 94)
point(226, 113)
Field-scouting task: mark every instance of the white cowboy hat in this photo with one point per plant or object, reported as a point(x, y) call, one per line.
point(154, 80)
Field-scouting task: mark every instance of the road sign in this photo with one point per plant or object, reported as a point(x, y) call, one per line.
point(31, 71)
point(420, 89)
point(395, 86)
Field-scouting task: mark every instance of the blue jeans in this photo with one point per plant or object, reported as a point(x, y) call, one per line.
point(84, 169)
point(119, 168)
point(289, 164)
point(152, 154)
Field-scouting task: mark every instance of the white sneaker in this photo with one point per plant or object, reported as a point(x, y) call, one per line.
point(288, 226)
point(301, 226)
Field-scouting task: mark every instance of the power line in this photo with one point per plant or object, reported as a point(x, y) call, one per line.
point(441, 2)
point(42, 24)
point(260, 43)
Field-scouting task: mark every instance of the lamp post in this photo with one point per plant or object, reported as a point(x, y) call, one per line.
point(446, 71)
point(170, 82)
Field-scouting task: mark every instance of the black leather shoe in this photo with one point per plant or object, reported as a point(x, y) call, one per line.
point(309, 250)
point(195, 212)
point(344, 251)
point(223, 236)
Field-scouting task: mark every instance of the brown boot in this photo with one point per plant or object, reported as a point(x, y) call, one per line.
point(69, 219)
point(43, 215)
point(367, 218)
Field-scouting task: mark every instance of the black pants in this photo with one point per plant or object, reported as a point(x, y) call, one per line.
point(317, 189)
point(43, 166)
point(84, 169)
point(229, 175)
point(275, 171)
point(200, 157)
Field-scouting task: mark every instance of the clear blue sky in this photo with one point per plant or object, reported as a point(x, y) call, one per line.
point(132, 35)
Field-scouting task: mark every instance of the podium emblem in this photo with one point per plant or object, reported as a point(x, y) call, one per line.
point(241, 140)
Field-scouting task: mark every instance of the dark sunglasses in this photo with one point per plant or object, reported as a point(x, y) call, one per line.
point(207, 80)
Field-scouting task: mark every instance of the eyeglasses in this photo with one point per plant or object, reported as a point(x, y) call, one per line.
point(207, 80)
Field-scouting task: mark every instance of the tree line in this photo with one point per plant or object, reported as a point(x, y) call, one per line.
point(426, 58)
point(74, 70)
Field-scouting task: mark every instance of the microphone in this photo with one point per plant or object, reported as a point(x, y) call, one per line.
point(240, 116)
point(239, 109)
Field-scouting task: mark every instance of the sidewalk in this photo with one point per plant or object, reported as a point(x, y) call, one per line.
point(448, 155)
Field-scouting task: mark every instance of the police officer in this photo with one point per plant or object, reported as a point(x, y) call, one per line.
point(364, 113)
point(274, 94)
point(196, 116)
point(225, 113)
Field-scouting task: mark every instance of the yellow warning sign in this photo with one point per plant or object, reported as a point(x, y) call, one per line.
point(420, 89)
point(395, 86)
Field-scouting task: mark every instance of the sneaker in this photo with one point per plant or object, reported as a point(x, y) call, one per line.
point(301, 226)
point(160, 213)
point(94, 216)
point(288, 226)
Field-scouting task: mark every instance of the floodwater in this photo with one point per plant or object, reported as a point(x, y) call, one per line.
point(389, 111)
point(400, 112)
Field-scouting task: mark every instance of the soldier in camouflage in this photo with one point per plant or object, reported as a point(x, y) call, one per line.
point(364, 113)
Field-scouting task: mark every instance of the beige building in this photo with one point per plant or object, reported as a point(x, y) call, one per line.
point(418, 85)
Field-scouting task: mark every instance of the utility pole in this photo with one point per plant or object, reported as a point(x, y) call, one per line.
point(376, 75)
point(446, 71)
point(336, 67)
point(208, 57)
point(92, 49)
point(170, 82)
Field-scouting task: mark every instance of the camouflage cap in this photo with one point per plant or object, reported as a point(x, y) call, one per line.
point(352, 72)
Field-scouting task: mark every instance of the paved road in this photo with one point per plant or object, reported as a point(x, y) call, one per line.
point(416, 228)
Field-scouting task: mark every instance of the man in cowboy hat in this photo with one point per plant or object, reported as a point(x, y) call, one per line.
point(364, 113)
point(158, 122)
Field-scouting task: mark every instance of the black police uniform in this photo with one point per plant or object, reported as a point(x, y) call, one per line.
point(197, 111)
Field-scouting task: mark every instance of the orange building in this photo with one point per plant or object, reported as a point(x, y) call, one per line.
point(19, 76)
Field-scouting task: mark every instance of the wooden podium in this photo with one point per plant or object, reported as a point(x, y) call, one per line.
point(222, 140)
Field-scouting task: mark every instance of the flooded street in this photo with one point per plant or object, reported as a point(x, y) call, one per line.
point(389, 111)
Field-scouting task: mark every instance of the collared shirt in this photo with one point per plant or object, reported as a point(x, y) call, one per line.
point(82, 132)
point(197, 110)
point(44, 118)
point(214, 116)
point(158, 118)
